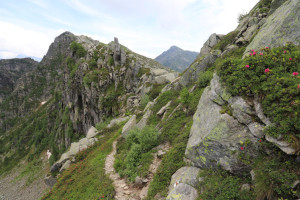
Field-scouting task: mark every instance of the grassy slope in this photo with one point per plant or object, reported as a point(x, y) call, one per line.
point(86, 178)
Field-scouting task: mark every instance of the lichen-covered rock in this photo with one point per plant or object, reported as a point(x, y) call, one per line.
point(129, 126)
point(183, 191)
point(281, 27)
point(285, 146)
point(187, 175)
point(64, 157)
point(65, 166)
point(117, 121)
point(92, 132)
point(215, 138)
point(74, 149)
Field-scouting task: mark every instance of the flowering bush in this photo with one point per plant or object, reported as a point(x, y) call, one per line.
point(273, 77)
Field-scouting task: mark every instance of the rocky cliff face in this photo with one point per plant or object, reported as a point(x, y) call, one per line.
point(10, 71)
point(82, 82)
point(176, 58)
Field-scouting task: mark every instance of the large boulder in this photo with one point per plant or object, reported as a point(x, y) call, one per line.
point(183, 191)
point(187, 175)
point(280, 28)
point(129, 126)
point(216, 137)
point(74, 149)
point(92, 132)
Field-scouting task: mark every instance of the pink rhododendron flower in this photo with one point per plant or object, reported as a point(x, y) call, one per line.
point(267, 70)
point(242, 148)
point(252, 50)
point(254, 53)
point(298, 86)
point(284, 51)
point(267, 47)
point(247, 66)
point(290, 58)
point(261, 54)
point(250, 54)
point(295, 73)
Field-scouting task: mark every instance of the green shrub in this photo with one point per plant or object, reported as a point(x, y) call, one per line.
point(78, 49)
point(134, 156)
point(144, 101)
point(226, 40)
point(277, 88)
point(219, 185)
point(185, 96)
point(142, 71)
point(273, 178)
point(155, 91)
point(204, 78)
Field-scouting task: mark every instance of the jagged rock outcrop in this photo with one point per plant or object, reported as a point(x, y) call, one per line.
point(69, 156)
point(280, 28)
point(129, 126)
point(176, 58)
point(216, 137)
point(192, 73)
point(10, 71)
point(209, 44)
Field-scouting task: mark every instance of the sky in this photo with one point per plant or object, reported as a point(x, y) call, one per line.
point(147, 27)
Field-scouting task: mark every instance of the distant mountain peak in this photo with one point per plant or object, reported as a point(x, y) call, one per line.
point(177, 58)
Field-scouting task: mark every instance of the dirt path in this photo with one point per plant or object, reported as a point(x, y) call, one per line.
point(123, 190)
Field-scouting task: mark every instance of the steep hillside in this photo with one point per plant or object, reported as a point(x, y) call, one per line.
point(121, 126)
point(176, 58)
point(10, 71)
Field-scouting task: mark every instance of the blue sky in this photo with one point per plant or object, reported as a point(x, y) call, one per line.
point(147, 27)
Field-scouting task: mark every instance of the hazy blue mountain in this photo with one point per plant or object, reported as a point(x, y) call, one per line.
point(177, 58)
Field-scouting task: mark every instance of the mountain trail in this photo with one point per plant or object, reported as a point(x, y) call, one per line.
point(126, 191)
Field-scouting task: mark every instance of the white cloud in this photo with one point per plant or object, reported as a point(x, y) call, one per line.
point(147, 27)
point(17, 40)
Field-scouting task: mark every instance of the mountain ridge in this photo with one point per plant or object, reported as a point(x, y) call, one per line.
point(176, 58)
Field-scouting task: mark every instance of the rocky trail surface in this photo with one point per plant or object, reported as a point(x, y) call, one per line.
point(126, 191)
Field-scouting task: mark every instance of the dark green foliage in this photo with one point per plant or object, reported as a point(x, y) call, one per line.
point(111, 61)
point(156, 89)
point(219, 185)
point(204, 78)
point(78, 49)
point(277, 89)
point(136, 152)
point(142, 71)
point(227, 39)
point(274, 177)
point(184, 96)
point(144, 101)
point(162, 100)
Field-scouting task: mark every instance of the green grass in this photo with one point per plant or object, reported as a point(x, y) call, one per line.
point(86, 178)
point(219, 184)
